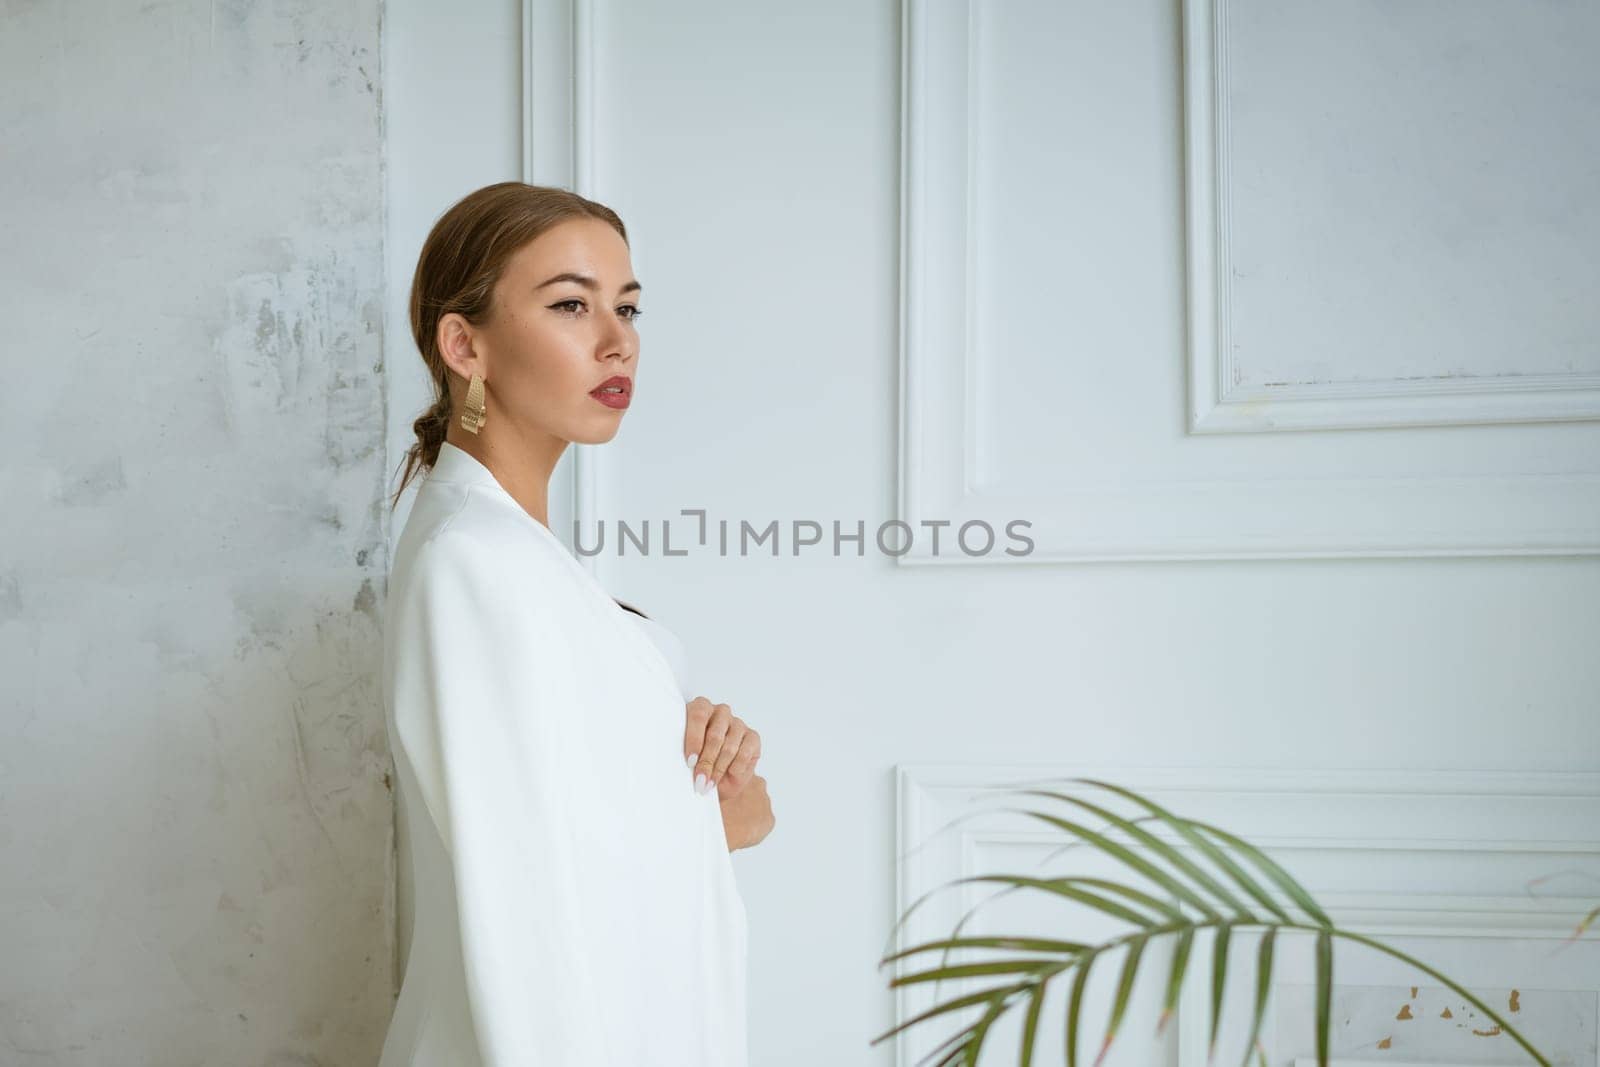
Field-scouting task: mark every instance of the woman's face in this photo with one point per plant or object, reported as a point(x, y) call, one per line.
point(561, 326)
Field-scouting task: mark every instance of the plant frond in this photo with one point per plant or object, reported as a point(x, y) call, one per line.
point(1070, 845)
point(1219, 974)
point(1294, 889)
point(1324, 993)
point(1130, 970)
point(1186, 829)
point(978, 970)
point(956, 942)
point(1075, 1008)
point(979, 1032)
point(906, 915)
point(1263, 987)
point(1167, 853)
point(1152, 917)
point(951, 1049)
point(1128, 858)
point(1064, 887)
point(1028, 944)
point(1180, 961)
point(1030, 1024)
point(949, 1006)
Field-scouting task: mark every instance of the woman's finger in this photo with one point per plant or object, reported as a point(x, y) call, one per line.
point(697, 713)
point(716, 729)
point(743, 765)
point(731, 744)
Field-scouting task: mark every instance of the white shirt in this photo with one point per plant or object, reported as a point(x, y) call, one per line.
point(670, 647)
point(575, 903)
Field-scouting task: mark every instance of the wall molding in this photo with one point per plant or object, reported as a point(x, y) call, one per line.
point(1217, 404)
point(1510, 513)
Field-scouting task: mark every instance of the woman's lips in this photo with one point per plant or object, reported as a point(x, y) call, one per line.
point(614, 392)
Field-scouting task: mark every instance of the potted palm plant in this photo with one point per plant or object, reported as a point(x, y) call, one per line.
point(1246, 890)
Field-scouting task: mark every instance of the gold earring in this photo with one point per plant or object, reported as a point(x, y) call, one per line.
point(477, 411)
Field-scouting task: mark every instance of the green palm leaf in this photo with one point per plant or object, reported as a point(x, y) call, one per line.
point(1030, 1025)
point(951, 1049)
point(1066, 887)
point(1068, 846)
point(1033, 944)
point(1129, 858)
point(1263, 987)
point(1167, 853)
point(1219, 973)
point(969, 1057)
point(978, 970)
point(903, 919)
point(1130, 969)
point(1324, 992)
point(963, 1044)
point(1075, 1008)
point(1180, 961)
point(1185, 829)
point(1296, 892)
point(949, 1006)
point(1152, 917)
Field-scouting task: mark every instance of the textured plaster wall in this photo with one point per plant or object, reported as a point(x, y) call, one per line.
point(195, 812)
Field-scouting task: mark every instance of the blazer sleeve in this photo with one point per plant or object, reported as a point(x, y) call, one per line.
point(492, 696)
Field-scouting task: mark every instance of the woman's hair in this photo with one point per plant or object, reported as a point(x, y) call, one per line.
point(460, 262)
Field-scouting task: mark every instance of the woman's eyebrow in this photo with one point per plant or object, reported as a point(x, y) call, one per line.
point(588, 282)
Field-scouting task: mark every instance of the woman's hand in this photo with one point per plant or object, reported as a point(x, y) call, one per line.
point(747, 817)
point(719, 748)
point(723, 751)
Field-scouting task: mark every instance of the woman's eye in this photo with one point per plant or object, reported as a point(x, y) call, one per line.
point(633, 310)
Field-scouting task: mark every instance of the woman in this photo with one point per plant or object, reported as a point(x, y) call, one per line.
point(575, 905)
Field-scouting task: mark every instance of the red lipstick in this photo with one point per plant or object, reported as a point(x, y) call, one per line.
point(615, 392)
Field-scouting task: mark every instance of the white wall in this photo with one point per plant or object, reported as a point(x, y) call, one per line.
point(195, 823)
point(755, 151)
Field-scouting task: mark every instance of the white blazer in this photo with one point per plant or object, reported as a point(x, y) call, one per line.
point(575, 903)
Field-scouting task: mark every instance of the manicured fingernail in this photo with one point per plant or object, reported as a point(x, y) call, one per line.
point(700, 783)
point(691, 761)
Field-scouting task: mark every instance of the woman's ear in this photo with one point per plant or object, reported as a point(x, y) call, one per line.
point(456, 348)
